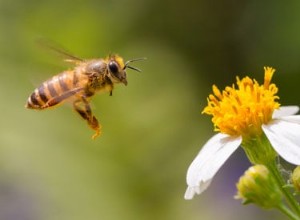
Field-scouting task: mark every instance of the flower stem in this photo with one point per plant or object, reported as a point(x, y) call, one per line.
point(286, 192)
point(287, 212)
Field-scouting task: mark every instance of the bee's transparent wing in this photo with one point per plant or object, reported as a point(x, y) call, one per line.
point(58, 49)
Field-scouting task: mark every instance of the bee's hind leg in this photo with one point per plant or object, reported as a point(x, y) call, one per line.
point(84, 110)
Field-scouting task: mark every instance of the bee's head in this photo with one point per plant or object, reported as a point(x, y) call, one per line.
point(117, 68)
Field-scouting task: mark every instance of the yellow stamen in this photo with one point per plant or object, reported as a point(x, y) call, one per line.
point(242, 111)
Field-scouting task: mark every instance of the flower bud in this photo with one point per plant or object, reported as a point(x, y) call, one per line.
point(258, 186)
point(296, 178)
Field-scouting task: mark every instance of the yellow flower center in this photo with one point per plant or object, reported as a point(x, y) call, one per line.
point(242, 110)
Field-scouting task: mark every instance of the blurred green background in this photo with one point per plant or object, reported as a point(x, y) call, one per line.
point(152, 129)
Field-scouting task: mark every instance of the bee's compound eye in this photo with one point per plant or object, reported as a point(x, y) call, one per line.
point(113, 67)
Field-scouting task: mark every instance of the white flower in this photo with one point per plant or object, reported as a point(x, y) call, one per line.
point(283, 132)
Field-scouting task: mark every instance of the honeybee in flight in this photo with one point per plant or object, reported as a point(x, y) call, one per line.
point(78, 85)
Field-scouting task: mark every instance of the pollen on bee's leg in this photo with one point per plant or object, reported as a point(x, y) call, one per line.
point(98, 133)
point(94, 124)
point(97, 128)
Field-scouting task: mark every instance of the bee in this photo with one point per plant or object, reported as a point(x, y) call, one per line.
point(80, 84)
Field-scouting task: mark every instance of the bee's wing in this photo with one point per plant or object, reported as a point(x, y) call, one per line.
point(68, 57)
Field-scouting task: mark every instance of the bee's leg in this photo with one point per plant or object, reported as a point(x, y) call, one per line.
point(111, 89)
point(83, 108)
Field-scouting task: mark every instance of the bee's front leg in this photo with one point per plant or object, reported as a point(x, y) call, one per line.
point(82, 106)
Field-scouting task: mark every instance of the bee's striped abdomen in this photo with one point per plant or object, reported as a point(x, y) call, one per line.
point(53, 91)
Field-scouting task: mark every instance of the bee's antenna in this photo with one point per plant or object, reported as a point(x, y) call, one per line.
point(133, 60)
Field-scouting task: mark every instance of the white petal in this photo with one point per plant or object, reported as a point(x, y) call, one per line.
point(209, 160)
point(291, 118)
point(285, 139)
point(285, 111)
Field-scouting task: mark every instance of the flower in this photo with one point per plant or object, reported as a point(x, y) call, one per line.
point(247, 116)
